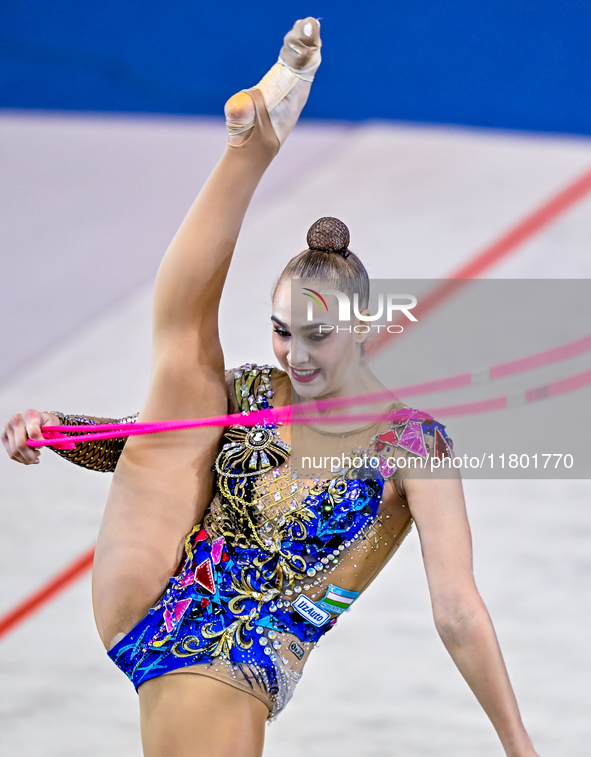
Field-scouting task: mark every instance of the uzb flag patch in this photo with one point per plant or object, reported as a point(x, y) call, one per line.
point(337, 600)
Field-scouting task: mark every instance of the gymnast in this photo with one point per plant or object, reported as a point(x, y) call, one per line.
point(220, 560)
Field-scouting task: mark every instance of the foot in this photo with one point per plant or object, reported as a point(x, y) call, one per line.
point(285, 88)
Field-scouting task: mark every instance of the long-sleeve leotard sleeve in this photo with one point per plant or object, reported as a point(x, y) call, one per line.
point(101, 455)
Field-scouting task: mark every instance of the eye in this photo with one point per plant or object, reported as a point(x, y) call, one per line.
point(318, 336)
point(282, 332)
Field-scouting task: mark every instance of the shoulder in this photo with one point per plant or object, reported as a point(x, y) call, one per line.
point(411, 433)
point(253, 387)
point(420, 433)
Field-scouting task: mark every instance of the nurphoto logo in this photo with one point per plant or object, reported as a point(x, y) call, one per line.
point(395, 303)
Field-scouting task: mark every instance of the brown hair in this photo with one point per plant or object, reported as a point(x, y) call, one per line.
point(328, 258)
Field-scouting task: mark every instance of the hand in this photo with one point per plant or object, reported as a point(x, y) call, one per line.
point(22, 427)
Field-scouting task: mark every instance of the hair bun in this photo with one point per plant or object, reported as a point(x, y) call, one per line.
point(329, 235)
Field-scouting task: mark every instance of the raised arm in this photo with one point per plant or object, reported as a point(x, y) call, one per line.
point(461, 617)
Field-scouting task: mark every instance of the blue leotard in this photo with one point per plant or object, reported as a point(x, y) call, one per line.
point(277, 558)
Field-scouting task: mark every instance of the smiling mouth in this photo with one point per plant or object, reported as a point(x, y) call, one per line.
point(305, 376)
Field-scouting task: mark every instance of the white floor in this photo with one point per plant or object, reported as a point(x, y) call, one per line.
point(87, 206)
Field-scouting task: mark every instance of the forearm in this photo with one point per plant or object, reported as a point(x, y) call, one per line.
point(100, 455)
point(471, 641)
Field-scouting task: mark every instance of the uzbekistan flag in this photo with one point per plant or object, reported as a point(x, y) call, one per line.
point(338, 600)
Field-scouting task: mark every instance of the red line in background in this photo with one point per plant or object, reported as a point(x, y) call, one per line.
point(476, 266)
point(46, 593)
point(495, 252)
point(520, 233)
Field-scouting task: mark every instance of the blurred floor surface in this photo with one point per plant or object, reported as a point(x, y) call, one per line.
point(88, 205)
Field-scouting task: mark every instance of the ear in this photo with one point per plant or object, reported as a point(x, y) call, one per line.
point(362, 335)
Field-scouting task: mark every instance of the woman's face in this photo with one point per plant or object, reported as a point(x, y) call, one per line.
point(319, 359)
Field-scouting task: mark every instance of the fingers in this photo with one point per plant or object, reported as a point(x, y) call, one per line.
point(24, 453)
point(33, 422)
point(14, 438)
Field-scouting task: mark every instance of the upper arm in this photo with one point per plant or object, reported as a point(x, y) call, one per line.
point(434, 494)
point(439, 511)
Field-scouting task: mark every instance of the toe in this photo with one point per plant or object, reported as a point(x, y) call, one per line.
point(301, 43)
point(309, 31)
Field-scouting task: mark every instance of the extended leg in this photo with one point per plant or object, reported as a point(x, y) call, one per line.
point(163, 483)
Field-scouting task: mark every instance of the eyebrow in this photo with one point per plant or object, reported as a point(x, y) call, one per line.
point(307, 327)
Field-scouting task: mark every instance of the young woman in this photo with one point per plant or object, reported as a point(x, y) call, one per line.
point(264, 554)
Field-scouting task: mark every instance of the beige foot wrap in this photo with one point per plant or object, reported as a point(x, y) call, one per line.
point(286, 86)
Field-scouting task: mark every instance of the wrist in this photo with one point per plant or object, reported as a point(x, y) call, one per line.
point(53, 418)
point(521, 747)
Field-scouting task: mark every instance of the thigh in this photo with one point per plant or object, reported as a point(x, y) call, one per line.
point(194, 716)
point(160, 490)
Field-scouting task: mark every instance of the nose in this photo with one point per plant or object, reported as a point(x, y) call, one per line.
point(297, 353)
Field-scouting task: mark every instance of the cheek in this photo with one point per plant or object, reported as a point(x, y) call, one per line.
point(336, 353)
point(281, 349)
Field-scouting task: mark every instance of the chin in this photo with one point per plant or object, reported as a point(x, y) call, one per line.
point(310, 390)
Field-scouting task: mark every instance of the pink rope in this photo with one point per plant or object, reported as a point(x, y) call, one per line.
point(554, 389)
point(457, 381)
point(309, 412)
point(54, 436)
point(541, 359)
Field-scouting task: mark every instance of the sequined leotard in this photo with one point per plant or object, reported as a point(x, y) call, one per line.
point(278, 557)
